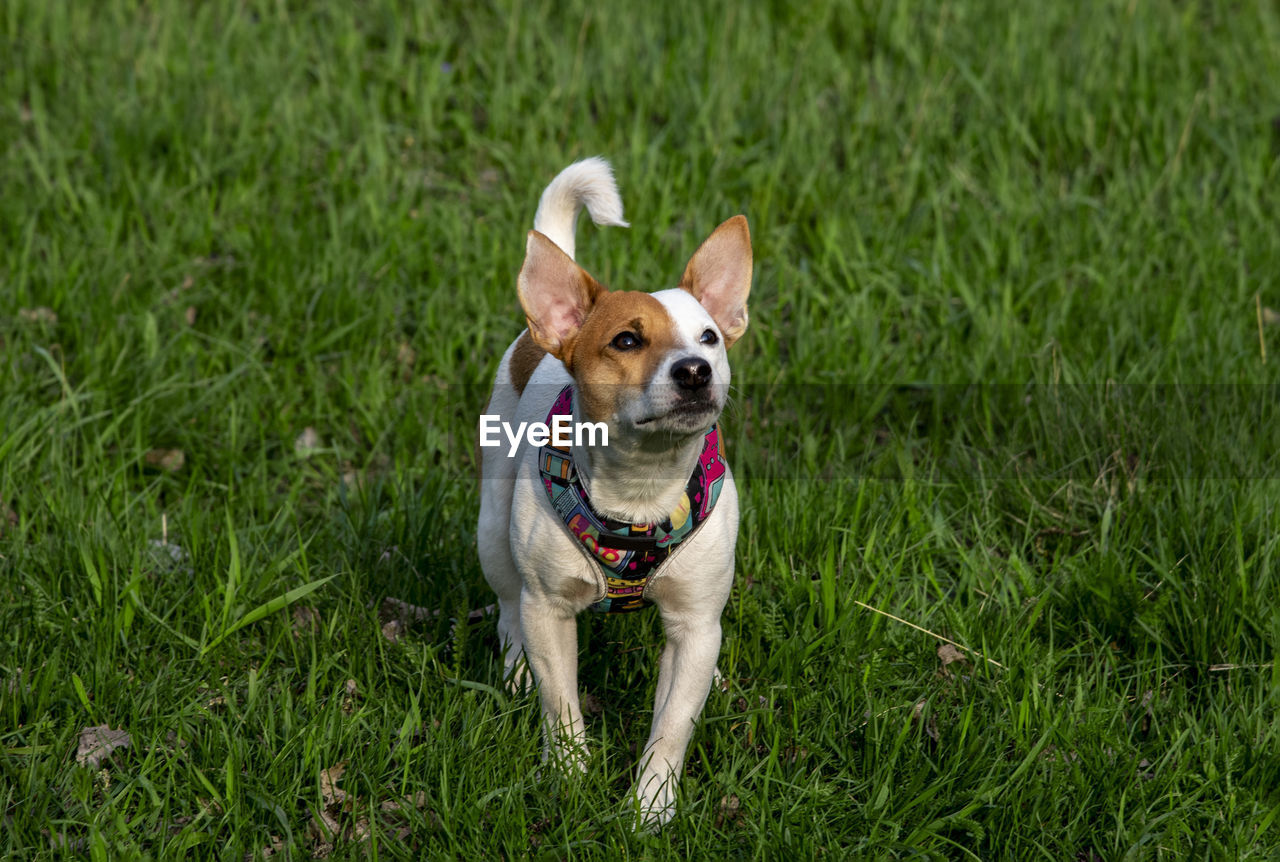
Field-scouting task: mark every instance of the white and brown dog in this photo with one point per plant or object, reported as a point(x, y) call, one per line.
point(643, 512)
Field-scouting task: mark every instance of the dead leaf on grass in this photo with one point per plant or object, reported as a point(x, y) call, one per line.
point(1270, 316)
point(406, 356)
point(305, 619)
point(728, 810)
point(398, 609)
point(98, 743)
point(168, 460)
point(190, 315)
point(307, 442)
point(920, 716)
point(393, 630)
point(39, 314)
point(336, 806)
point(325, 830)
point(330, 792)
point(950, 654)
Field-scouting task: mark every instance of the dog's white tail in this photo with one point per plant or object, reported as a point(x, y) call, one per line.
point(588, 182)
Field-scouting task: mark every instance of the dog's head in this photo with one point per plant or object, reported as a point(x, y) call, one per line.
point(646, 363)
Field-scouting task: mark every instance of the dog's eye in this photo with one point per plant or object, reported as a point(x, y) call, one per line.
point(625, 341)
point(709, 337)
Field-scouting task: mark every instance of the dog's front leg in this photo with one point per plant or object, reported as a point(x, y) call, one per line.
point(551, 647)
point(685, 671)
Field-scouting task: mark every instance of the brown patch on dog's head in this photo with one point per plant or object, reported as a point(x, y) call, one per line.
point(619, 349)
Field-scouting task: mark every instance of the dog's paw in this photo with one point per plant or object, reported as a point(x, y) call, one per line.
point(655, 806)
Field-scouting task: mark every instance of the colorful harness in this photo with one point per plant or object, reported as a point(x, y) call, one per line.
point(628, 553)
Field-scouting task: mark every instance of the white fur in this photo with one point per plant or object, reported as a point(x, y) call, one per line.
point(544, 578)
point(587, 182)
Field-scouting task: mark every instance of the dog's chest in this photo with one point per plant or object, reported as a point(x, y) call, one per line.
point(629, 555)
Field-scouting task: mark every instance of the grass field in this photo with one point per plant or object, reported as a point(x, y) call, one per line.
point(1011, 377)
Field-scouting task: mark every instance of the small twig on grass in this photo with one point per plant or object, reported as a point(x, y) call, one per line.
point(1262, 342)
point(1215, 668)
point(931, 634)
point(869, 717)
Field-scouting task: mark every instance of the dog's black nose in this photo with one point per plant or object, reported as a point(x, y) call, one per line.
point(691, 372)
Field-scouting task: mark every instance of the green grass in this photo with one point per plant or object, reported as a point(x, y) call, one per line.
point(250, 219)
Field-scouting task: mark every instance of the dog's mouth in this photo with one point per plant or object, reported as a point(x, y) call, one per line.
point(684, 412)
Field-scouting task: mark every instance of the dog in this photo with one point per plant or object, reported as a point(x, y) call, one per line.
point(641, 510)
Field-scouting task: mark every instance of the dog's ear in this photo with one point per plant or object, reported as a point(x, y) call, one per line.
point(719, 277)
point(556, 295)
